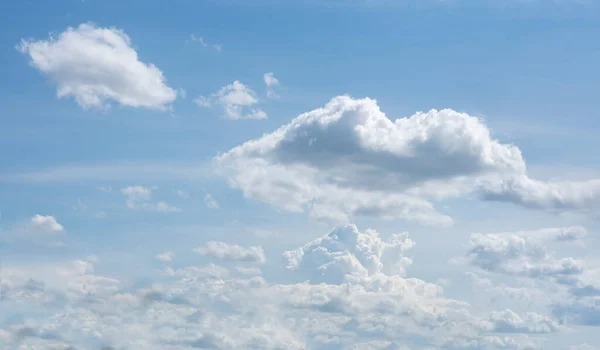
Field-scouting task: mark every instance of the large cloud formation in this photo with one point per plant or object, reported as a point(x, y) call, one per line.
point(95, 65)
point(348, 158)
point(356, 297)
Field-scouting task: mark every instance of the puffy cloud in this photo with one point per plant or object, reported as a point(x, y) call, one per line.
point(524, 254)
point(271, 82)
point(138, 198)
point(348, 158)
point(95, 65)
point(507, 321)
point(232, 252)
point(347, 252)
point(236, 100)
point(39, 229)
point(205, 306)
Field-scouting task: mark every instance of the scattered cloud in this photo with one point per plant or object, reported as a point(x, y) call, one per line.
point(207, 306)
point(166, 256)
point(39, 229)
point(232, 252)
point(201, 41)
point(96, 65)
point(271, 83)
point(210, 202)
point(183, 194)
point(236, 100)
point(525, 254)
point(139, 198)
point(349, 159)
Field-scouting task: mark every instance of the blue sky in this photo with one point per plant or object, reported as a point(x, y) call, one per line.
point(129, 187)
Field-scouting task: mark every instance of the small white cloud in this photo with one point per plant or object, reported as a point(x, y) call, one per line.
point(46, 224)
point(138, 197)
point(165, 257)
point(236, 100)
point(199, 39)
point(233, 252)
point(271, 82)
point(210, 202)
point(39, 229)
point(183, 194)
point(95, 65)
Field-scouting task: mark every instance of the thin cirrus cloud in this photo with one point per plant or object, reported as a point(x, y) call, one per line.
point(348, 159)
point(96, 66)
point(236, 100)
point(201, 41)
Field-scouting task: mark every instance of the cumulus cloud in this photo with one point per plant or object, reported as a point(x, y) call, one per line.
point(348, 253)
point(525, 254)
point(207, 307)
point(507, 321)
point(233, 252)
point(39, 229)
point(236, 100)
point(568, 286)
point(139, 198)
point(349, 159)
point(271, 83)
point(96, 65)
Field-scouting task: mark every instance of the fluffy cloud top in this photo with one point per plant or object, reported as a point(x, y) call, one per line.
point(39, 229)
point(347, 252)
point(94, 65)
point(212, 307)
point(525, 254)
point(236, 100)
point(232, 252)
point(348, 158)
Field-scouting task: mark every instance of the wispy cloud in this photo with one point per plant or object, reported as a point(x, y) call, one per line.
point(236, 100)
point(125, 171)
point(271, 82)
point(198, 39)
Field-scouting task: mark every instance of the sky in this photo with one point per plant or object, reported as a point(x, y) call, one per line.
point(335, 174)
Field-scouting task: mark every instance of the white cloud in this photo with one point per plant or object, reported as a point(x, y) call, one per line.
point(236, 100)
point(39, 229)
point(165, 256)
point(524, 254)
point(96, 65)
point(183, 194)
point(271, 82)
point(138, 198)
point(348, 253)
point(206, 306)
point(199, 39)
point(210, 202)
point(349, 159)
point(233, 252)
